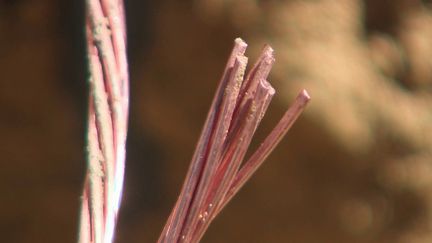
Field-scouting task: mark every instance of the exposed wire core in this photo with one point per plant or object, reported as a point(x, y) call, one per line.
point(216, 172)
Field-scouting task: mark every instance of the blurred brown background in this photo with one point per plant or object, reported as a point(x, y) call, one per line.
point(356, 167)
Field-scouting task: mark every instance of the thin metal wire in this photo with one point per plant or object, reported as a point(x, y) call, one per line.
point(107, 119)
point(215, 175)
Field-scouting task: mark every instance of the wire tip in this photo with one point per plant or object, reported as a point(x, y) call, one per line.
point(239, 41)
point(305, 95)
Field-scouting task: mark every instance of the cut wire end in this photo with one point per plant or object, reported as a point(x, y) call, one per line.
point(215, 174)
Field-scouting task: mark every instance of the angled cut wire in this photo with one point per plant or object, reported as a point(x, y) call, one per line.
point(216, 172)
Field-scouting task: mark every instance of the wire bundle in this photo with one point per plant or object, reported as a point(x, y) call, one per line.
point(107, 120)
point(216, 172)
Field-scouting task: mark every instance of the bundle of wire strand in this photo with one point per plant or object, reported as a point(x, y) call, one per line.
point(216, 172)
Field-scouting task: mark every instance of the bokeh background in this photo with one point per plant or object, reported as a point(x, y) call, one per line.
point(355, 168)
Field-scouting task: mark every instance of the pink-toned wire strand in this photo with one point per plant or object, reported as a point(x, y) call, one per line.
point(107, 119)
point(216, 172)
point(268, 145)
point(171, 231)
